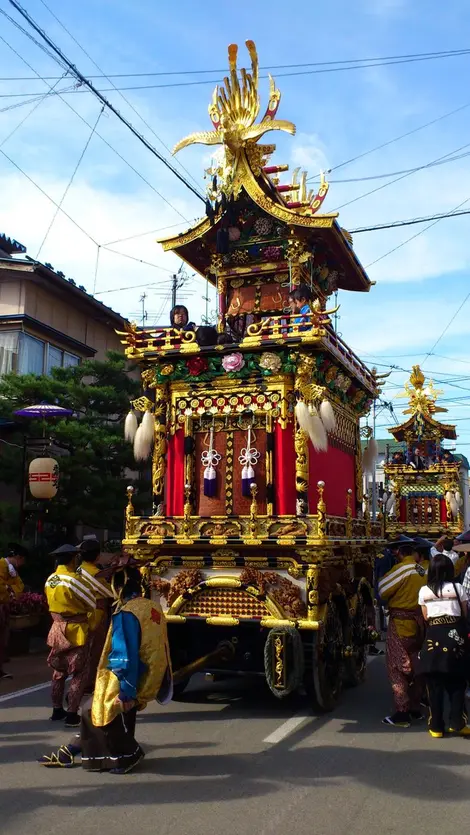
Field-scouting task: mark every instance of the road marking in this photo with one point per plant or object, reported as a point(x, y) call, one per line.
point(18, 693)
point(287, 728)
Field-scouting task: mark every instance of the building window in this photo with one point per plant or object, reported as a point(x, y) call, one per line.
point(31, 355)
point(8, 352)
point(54, 358)
point(24, 354)
point(70, 359)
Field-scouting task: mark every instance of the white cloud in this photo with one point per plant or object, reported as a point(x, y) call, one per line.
point(25, 215)
point(309, 152)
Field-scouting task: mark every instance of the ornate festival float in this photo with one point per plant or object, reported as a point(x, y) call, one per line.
point(423, 496)
point(259, 536)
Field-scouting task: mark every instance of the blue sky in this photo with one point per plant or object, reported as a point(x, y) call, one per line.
point(338, 116)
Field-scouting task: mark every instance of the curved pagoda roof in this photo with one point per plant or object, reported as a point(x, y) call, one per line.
point(240, 177)
point(422, 407)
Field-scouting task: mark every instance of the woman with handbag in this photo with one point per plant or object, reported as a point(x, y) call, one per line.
point(444, 656)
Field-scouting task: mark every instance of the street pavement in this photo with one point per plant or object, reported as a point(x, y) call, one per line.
point(229, 758)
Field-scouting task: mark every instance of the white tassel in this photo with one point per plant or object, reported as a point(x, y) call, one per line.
point(374, 448)
point(303, 416)
point(458, 498)
point(366, 461)
point(148, 427)
point(454, 508)
point(390, 502)
point(318, 435)
point(370, 456)
point(448, 496)
point(391, 509)
point(328, 416)
point(142, 446)
point(384, 498)
point(312, 425)
point(130, 426)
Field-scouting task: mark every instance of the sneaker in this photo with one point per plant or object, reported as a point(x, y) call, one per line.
point(417, 715)
point(399, 719)
point(435, 734)
point(375, 651)
point(63, 758)
point(465, 731)
point(126, 770)
point(58, 714)
point(72, 720)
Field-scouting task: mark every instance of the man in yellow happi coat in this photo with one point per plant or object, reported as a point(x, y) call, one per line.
point(98, 622)
point(135, 668)
point(71, 603)
point(399, 589)
point(11, 585)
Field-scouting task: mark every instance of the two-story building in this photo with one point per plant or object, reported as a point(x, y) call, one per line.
point(45, 319)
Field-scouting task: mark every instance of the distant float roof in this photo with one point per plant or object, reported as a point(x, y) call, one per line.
point(422, 407)
point(240, 175)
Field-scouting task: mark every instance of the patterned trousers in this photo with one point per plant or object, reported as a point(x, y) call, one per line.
point(73, 663)
point(402, 655)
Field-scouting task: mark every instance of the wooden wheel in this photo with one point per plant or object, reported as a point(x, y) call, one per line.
point(328, 661)
point(355, 666)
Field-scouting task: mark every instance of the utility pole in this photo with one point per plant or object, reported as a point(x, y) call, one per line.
point(174, 287)
point(144, 312)
point(374, 478)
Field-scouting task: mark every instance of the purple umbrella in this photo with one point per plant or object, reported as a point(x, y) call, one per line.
point(44, 410)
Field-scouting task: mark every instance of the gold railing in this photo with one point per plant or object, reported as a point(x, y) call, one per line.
point(247, 530)
point(140, 342)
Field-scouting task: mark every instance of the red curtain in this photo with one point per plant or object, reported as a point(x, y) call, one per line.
point(175, 475)
point(284, 470)
point(442, 503)
point(338, 470)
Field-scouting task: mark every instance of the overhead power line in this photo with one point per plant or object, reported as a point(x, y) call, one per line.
point(124, 98)
point(85, 122)
point(40, 100)
point(364, 65)
point(448, 53)
point(69, 184)
point(368, 177)
point(397, 179)
point(407, 241)
point(395, 139)
point(73, 69)
point(410, 222)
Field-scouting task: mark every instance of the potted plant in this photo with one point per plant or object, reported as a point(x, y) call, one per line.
point(26, 610)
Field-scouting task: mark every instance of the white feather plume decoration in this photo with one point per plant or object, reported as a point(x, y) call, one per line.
point(370, 456)
point(328, 416)
point(318, 435)
point(142, 446)
point(130, 426)
point(148, 427)
point(303, 416)
point(311, 424)
point(374, 448)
